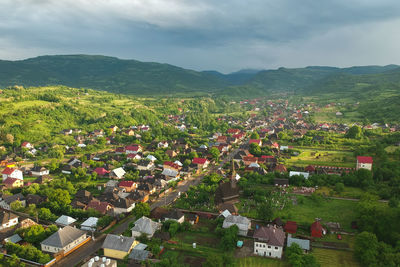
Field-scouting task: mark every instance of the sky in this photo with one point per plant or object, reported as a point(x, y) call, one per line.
point(222, 35)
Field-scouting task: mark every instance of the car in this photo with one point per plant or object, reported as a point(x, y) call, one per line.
point(339, 237)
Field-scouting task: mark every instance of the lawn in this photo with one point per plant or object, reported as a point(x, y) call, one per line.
point(334, 258)
point(259, 261)
point(349, 192)
point(322, 157)
point(329, 210)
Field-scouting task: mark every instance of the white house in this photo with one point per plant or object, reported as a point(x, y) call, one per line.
point(65, 220)
point(269, 241)
point(90, 224)
point(304, 174)
point(146, 226)
point(118, 173)
point(364, 163)
point(39, 171)
point(7, 219)
point(175, 215)
point(6, 202)
point(12, 173)
point(242, 223)
point(65, 239)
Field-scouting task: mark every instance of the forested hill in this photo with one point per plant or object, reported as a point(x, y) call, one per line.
point(106, 73)
point(148, 78)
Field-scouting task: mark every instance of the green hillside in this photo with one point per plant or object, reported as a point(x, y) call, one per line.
point(106, 73)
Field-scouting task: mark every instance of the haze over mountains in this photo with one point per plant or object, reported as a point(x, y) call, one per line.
point(135, 77)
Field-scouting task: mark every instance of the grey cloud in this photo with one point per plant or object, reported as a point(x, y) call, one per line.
point(203, 34)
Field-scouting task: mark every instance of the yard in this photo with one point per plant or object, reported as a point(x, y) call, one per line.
point(334, 258)
point(311, 156)
point(349, 192)
point(329, 210)
point(259, 262)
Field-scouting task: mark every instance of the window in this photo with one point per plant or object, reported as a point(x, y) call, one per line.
point(256, 250)
point(269, 246)
point(276, 248)
point(264, 245)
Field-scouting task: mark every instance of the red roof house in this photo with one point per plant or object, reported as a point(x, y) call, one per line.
point(291, 227)
point(310, 168)
point(233, 131)
point(364, 163)
point(255, 141)
point(280, 168)
point(128, 185)
point(101, 171)
point(102, 207)
point(316, 229)
point(199, 160)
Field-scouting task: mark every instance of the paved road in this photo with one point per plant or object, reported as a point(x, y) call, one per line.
point(89, 249)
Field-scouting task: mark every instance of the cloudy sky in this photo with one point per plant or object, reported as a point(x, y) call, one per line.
point(224, 35)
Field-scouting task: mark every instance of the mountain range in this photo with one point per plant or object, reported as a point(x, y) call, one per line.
point(149, 78)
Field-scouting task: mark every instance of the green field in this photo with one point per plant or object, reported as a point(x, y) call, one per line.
point(349, 192)
point(310, 156)
point(335, 258)
point(259, 262)
point(329, 210)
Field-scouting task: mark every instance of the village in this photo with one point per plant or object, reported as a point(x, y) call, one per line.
point(272, 181)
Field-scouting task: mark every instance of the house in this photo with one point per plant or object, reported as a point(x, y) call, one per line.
point(117, 173)
point(34, 199)
point(65, 220)
point(118, 247)
point(123, 205)
point(175, 215)
point(364, 163)
point(26, 223)
point(13, 183)
point(171, 153)
point(26, 145)
point(8, 200)
point(101, 172)
point(255, 141)
point(139, 254)
point(7, 219)
point(133, 149)
point(145, 164)
point(269, 241)
point(304, 244)
point(113, 128)
point(101, 206)
point(201, 163)
point(13, 239)
point(304, 174)
point(290, 227)
point(66, 239)
point(242, 223)
point(12, 173)
point(39, 171)
point(317, 230)
point(90, 224)
point(162, 144)
point(129, 186)
point(145, 226)
point(170, 175)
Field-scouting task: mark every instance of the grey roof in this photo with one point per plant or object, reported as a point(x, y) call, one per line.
point(140, 246)
point(63, 237)
point(242, 222)
point(139, 255)
point(303, 243)
point(11, 199)
point(65, 220)
point(90, 222)
point(13, 239)
point(146, 225)
point(271, 235)
point(116, 242)
point(169, 172)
